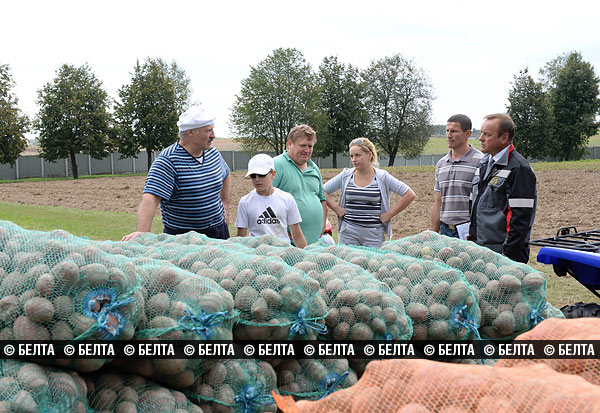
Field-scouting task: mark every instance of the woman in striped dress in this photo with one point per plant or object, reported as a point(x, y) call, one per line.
point(364, 211)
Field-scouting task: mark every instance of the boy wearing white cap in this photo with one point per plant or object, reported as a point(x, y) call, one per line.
point(191, 182)
point(268, 210)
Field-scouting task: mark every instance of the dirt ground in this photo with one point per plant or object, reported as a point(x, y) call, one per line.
point(565, 197)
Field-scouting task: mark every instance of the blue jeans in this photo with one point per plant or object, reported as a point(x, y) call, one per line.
point(445, 230)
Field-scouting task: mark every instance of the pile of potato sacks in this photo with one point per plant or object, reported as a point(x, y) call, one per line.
point(55, 286)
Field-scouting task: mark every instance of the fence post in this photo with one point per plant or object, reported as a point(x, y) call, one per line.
point(90, 164)
point(17, 169)
point(133, 163)
point(112, 164)
point(42, 167)
point(66, 168)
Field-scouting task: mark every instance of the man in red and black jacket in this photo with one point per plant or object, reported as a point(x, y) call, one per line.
point(504, 195)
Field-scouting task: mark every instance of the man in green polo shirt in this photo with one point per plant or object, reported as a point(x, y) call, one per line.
point(301, 177)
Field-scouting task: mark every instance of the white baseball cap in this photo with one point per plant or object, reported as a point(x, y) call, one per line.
point(195, 117)
point(260, 164)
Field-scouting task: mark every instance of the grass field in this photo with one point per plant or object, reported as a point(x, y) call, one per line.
point(81, 222)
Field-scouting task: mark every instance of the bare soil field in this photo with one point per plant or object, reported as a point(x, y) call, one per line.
point(565, 197)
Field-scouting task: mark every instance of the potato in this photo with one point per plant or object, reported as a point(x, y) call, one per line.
point(509, 283)
point(24, 402)
point(45, 285)
point(39, 310)
point(158, 304)
point(505, 323)
point(9, 308)
point(25, 329)
point(361, 331)
point(417, 312)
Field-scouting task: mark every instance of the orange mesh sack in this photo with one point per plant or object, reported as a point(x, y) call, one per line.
point(569, 329)
point(403, 386)
point(511, 295)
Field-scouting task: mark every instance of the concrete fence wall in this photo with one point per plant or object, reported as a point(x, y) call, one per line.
point(36, 167)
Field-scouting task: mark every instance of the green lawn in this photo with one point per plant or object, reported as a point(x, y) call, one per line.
point(93, 224)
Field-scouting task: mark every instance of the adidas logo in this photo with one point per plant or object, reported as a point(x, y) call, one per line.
point(268, 217)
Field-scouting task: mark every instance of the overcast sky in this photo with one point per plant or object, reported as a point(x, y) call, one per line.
point(470, 50)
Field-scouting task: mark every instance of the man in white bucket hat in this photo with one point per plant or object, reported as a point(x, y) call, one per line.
point(191, 182)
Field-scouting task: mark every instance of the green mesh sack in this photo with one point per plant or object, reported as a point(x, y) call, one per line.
point(436, 296)
point(359, 306)
point(275, 301)
point(511, 295)
point(313, 379)
point(112, 391)
point(28, 387)
point(55, 286)
point(240, 386)
point(178, 305)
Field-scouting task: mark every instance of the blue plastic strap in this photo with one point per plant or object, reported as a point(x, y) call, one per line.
point(251, 398)
point(202, 323)
point(331, 382)
point(301, 325)
point(535, 315)
point(460, 318)
point(108, 306)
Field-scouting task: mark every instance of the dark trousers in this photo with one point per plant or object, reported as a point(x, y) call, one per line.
point(220, 231)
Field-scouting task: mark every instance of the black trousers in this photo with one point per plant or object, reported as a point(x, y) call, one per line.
point(219, 232)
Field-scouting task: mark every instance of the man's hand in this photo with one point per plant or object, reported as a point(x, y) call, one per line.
point(131, 236)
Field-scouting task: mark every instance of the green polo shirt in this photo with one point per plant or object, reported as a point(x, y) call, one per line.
point(307, 189)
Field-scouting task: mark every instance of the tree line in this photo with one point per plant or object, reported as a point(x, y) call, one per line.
point(389, 102)
point(556, 115)
point(76, 114)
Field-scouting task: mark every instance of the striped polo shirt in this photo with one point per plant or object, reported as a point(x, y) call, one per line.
point(190, 187)
point(363, 204)
point(453, 179)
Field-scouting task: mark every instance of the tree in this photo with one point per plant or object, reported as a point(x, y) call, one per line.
point(529, 108)
point(398, 99)
point(13, 124)
point(280, 92)
point(342, 94)
point(575, 107)
point(73, 116)
point(149, 108)
point(550, 71)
